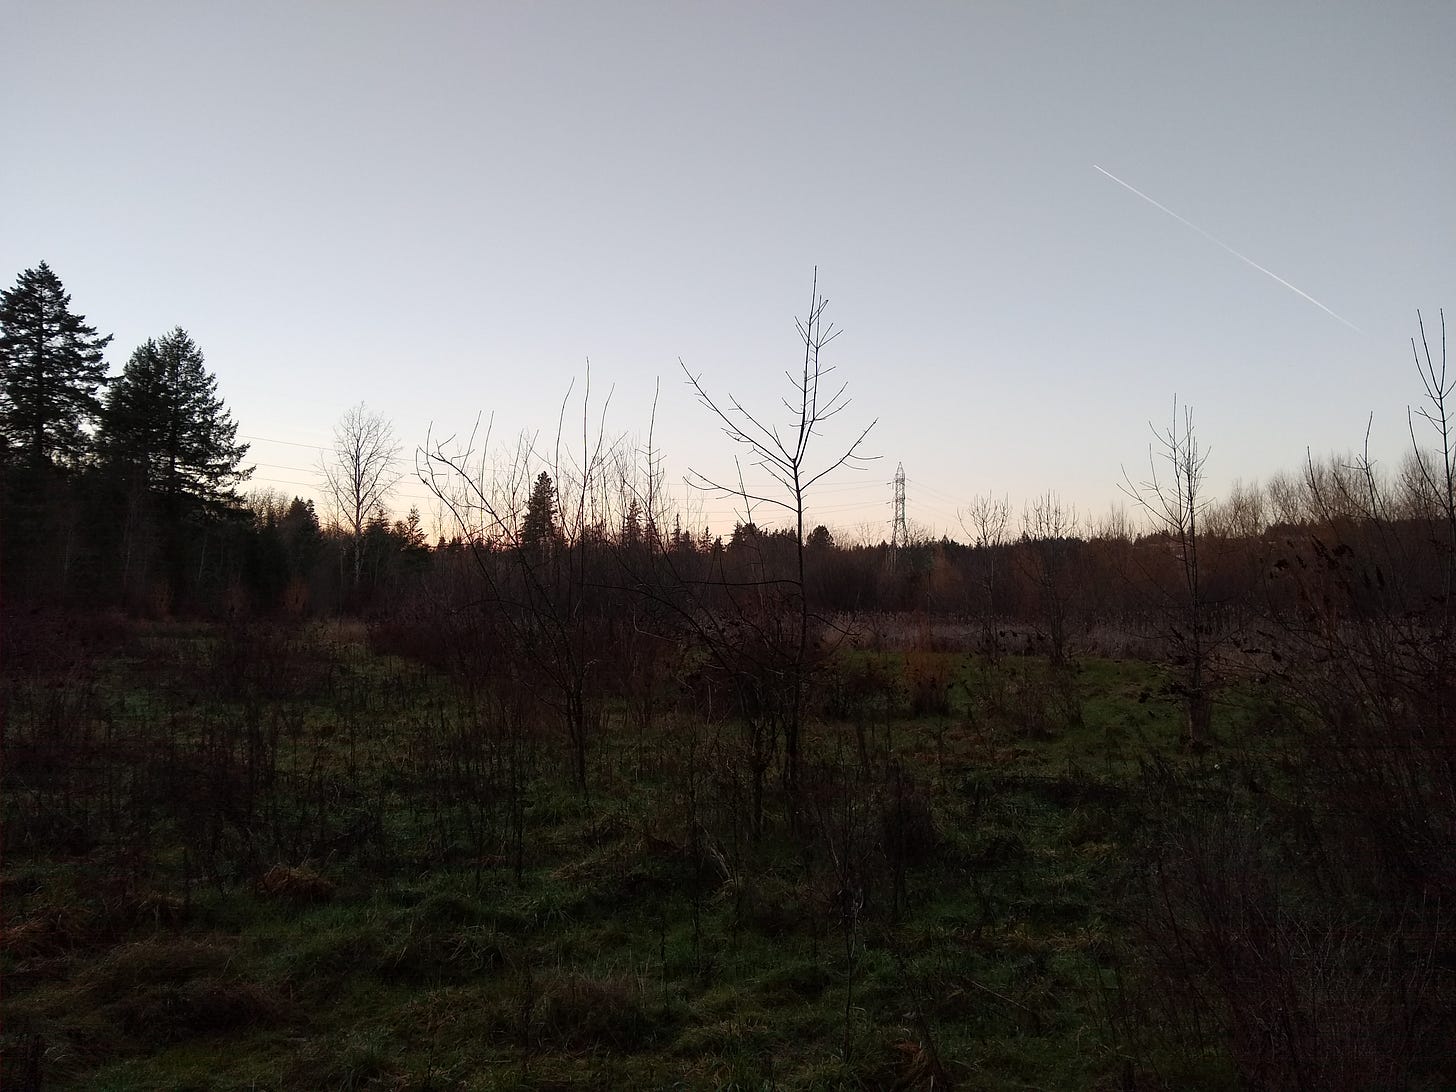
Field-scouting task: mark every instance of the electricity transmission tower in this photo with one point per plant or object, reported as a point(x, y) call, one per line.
point(897, 522)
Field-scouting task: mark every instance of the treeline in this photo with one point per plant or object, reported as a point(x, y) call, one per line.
point(126, 491)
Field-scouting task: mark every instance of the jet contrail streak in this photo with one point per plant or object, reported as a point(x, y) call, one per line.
point(1220, 243)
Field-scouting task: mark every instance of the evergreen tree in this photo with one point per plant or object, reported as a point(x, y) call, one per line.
point(164, 421)
point(378, 548)
point(538, 528)
point(266, 567)
point(50, 370)
point(744, 534)
point(307, 557)
point(631, 536)
point(303, 535)
point(411, 533)
point(819, 539)
point(411, 546)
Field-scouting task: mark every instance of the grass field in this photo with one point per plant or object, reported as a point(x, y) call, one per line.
point(278, 859)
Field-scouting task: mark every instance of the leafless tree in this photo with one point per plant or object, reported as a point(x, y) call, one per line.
point(360, 471)
point(1438, 467)
point(1172, 498)
point(1240, 515)
point(540, 600)
point(1340, 990)
point(1048, 527)
point(987, 521)
point(783, 454)
point(1285, 499)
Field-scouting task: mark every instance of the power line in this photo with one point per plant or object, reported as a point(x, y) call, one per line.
point(275, 440)
point(314, 487)
point(285, 466)
point(948, 498)
point(281, 481)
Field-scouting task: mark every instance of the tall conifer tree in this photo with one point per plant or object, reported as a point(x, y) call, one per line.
point(165, 422)
point(50, 370)
point(538, 529)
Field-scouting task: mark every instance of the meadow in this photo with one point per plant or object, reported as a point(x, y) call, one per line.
point(263, 856)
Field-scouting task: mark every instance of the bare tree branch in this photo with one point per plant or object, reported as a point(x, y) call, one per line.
point(360, 471)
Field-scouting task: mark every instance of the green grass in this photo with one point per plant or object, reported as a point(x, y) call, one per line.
point(615, 962)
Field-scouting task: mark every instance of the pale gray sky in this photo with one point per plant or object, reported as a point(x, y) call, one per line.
point(445, 208)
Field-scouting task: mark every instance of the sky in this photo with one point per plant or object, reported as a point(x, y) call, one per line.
point(445, 210)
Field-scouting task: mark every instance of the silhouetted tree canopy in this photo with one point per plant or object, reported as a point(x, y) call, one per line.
point(164, 421)
point(50, 370)
point(538, 528)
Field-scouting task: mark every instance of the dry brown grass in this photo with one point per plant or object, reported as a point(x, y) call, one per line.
point(295, 884)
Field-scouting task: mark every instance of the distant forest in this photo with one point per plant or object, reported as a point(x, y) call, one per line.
point(129, 491)
point(123, 492)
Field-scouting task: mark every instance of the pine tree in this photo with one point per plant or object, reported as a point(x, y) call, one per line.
point(164, 421)
point(631, 536)
point(50, 370)
point(411, 533)
point(304, 536)
point(538, 528)
point(304, 539)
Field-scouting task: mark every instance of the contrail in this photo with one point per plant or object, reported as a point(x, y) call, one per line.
point(1219, 242)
